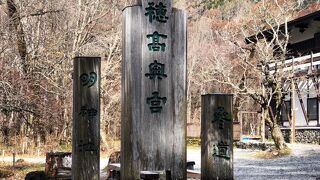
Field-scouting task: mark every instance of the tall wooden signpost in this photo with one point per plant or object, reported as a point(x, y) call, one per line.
point(86, 118)
point(153, 122)
point(216, 136)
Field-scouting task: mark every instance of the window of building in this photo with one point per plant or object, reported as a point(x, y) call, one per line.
point(286, 111)
point(313, 110)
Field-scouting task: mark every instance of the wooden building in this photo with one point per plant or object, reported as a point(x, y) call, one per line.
point(303, 62)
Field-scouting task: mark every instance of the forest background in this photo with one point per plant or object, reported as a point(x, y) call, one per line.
point(39, 39)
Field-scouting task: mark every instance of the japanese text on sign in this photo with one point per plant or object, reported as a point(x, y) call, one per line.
point(156, 70)
point(157, 12)
point(155, 44)
point(222, 150)
point(90, 112)
point(87, 147)
point(221, 117)
point(155, 102)
point(88, 79)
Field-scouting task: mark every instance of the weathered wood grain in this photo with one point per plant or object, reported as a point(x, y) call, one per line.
point(130, 91)
point(86, 119)
point(139, 2)
point(213, 166)
point(153, 141)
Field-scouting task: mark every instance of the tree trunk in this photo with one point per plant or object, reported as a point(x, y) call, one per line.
point(276, 133)
point(277, 137)
point(236, 108)
point(5, 133)
point(15, 22)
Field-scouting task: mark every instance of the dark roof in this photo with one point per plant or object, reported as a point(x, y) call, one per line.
point(301, 22)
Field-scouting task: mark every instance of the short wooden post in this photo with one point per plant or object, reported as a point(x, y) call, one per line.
point(216, 136)
point(241, 125)
point(13, 159)
point(39, 144)
point(86, 118)
point(154, 114)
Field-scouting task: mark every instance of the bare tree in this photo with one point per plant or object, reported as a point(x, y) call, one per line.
point(248, 73)
point(39, 40)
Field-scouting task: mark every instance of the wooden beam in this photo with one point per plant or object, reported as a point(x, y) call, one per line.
point(297, 63)
point(306, 73)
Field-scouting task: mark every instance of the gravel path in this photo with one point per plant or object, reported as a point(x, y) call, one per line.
point(303, 164)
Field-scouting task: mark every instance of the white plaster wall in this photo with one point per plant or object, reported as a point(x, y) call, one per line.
point(300, 119)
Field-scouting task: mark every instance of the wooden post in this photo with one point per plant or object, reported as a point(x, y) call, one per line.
point(39, 143)
point(13, 159)
point(293, 106)
point(138, 2)
point(263, 120)
point(86, 118)
point(293, 112)
point(216, 136)
point(241, 125)
point(153, 103)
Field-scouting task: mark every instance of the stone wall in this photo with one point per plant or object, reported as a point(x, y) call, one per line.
point(254, 145)
point(311, 136)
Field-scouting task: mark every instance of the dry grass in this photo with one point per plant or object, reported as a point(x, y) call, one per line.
point(5, 173)
point(272, 154)
point(20, 170)
point(193, 142)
